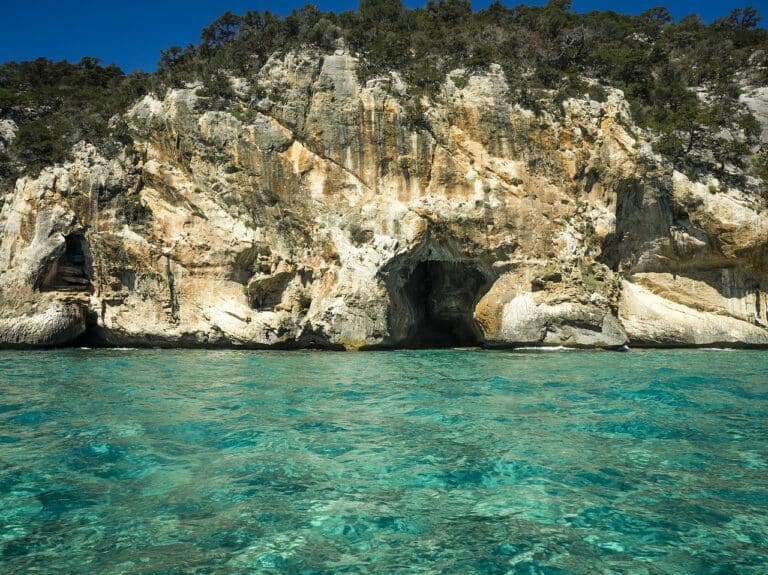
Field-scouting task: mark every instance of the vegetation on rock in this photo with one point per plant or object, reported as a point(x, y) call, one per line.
point(57, 104)
point(683, 79)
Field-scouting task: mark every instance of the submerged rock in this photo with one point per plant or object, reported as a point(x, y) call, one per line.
point(342, 215)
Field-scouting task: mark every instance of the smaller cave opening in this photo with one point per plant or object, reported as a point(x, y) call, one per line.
point(73, 270)
point(93, 336)
point(440, 298)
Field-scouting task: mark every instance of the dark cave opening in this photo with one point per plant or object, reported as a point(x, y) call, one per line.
point(73, 270)
point(441, 297)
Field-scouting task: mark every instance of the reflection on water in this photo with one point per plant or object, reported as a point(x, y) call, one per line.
point(404, 462)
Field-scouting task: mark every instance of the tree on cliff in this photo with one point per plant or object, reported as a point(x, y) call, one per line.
point(57, 104)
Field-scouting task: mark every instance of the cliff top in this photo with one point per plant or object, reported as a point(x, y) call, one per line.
point(692, 85)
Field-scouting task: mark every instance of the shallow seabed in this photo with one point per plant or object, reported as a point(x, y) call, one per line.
point(127, 461)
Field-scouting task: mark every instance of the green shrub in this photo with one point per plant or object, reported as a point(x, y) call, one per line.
point(598, 93)
point(460, 81)
point(131, 211)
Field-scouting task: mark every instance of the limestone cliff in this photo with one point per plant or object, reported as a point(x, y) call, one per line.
point(340, 215)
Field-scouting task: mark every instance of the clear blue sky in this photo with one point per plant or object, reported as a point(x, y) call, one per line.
point(131, 33)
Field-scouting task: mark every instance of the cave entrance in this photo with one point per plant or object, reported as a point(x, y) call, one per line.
point(433, 306)
point(73, 270)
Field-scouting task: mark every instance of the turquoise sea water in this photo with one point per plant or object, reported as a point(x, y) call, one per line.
point(160, 462)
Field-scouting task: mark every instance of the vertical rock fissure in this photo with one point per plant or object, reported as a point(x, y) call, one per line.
point(758, 306)
point(174, 296)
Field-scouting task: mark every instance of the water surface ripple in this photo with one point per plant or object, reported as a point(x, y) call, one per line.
point(164, 462)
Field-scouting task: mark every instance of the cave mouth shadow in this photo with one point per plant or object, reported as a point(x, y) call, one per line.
point(73, 270)
point(433, 303)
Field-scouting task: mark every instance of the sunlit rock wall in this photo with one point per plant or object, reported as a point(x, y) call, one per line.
point(341, 215)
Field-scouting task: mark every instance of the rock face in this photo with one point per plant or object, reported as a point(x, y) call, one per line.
point(8, 131)
point(338, 215)
point(756, 99)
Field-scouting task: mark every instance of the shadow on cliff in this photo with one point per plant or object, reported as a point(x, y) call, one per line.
point(649, 228)
point(433, 291)
point(72, 271)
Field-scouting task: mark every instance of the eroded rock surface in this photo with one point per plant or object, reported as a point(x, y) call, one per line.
point(341, 215)
point(8, 131)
